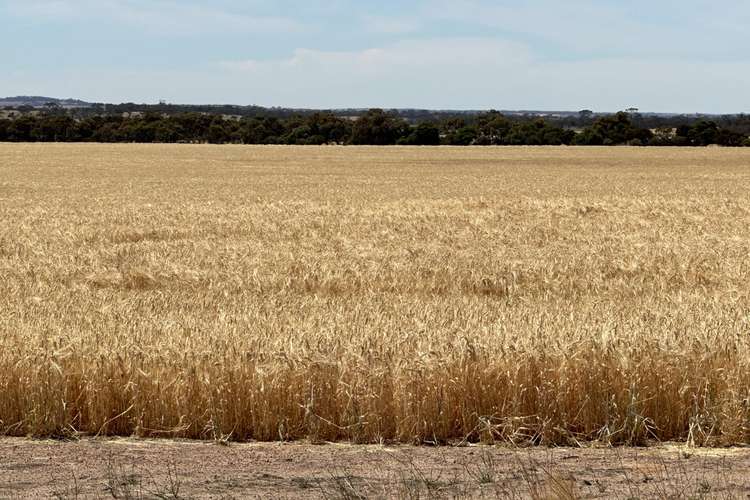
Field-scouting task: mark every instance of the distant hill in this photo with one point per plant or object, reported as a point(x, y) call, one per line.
point(42, 102)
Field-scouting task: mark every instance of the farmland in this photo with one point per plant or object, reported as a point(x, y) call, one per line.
point(534, 296)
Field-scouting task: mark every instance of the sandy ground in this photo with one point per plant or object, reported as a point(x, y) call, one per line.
point(129, 468)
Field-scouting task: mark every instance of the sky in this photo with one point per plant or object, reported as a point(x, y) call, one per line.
point(605, 55)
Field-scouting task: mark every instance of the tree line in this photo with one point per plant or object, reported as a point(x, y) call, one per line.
point(575, 120)
point(374, 127)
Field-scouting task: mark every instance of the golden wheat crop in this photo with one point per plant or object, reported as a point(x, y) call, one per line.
point(538, 295)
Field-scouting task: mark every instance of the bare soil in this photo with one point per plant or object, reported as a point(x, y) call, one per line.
point(130, 468)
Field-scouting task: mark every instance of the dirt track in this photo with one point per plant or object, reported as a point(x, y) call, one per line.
point(128, 468)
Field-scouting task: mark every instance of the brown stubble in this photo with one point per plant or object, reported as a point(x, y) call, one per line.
point(537, 295)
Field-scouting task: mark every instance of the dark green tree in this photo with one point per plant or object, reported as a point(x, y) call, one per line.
point(424, 134)
point(612, 130)
point(218, 132)
point(4, 125)
point(22, 129)
point(492, 128)
point(378, 128)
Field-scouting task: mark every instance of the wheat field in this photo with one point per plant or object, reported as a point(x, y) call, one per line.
point(538, 296)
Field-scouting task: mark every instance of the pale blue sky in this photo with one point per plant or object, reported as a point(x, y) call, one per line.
point(686, 56)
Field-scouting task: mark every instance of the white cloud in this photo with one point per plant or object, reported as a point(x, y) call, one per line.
point(543, 54)
point(54, 9)
point(577, 28)
point(446, 73)
point(391, 25)
point(166, 17)
point(406, 57)
point(484, 73)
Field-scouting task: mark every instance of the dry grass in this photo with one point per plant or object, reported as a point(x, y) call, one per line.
point(539, 296)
